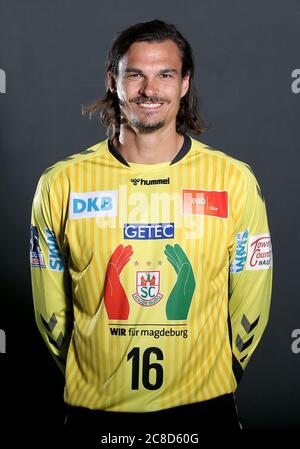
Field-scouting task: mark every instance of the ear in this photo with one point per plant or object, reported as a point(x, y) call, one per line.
point(185, 85)
point(111, 82)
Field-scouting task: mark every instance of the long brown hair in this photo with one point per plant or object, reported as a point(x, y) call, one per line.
point(107, 107)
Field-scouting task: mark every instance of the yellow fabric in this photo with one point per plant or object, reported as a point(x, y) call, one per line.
point(172, 345)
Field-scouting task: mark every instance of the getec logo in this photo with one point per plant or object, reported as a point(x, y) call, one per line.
point(2, 342)
point(151, 231)
point(93, 204)
point(149, 182)
point(2, 82)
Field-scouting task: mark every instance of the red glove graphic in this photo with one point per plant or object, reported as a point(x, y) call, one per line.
point(115, 299)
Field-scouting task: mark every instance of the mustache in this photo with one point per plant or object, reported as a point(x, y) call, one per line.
point(139, 100)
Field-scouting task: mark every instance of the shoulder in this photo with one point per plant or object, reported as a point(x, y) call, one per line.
point(236, 167)
point(60, 168)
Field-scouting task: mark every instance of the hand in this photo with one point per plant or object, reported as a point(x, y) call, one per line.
point(115, 299)
point(180, 298)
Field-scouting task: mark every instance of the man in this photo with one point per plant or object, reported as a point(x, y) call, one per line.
point(157, 264)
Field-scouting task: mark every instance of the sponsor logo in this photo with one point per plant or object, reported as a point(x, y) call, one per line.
point(147, 288)
point(259, 252)
point(56, 260)
point(36, 256)
point(149, 182)
point(2, 81)
point(93, 204)
point(205, 202)
point(240, 252)
point(151, 231)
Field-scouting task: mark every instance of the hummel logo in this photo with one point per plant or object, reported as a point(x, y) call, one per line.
point(149, 182)
point(135, 181)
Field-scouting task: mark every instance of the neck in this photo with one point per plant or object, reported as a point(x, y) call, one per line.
point(159, 146)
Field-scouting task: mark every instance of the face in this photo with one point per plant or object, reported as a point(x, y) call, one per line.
point(149, 85)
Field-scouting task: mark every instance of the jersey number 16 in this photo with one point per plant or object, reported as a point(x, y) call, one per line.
point(134, 354)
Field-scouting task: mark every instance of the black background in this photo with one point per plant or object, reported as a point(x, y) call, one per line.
point(53, 55)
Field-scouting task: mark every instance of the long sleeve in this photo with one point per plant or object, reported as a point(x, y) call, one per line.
point(51, 286)
point(250, 276)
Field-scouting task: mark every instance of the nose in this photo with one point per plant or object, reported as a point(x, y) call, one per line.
point(149, 87)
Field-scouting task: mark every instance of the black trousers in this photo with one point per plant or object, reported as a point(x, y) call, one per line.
point(98, 428)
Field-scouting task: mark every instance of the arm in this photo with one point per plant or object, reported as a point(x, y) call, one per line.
point(51, 286)
point(250, 276)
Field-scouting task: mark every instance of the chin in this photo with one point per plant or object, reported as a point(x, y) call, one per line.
point(148, 128)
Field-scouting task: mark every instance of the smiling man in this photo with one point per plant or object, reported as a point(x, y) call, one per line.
point(152, 263)
point(150, 86)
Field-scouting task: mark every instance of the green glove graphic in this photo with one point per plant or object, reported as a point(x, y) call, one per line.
point(179, 301)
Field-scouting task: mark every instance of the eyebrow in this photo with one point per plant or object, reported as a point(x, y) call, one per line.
point(136, 70)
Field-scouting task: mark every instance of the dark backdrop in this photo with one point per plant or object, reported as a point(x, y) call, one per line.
point(52, 60)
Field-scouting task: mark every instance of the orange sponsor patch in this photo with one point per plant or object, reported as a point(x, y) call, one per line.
point(205, 202)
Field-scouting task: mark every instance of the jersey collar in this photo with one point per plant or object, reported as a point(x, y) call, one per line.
point(186, 146)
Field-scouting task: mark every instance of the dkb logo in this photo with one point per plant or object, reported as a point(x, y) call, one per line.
point(2, 82)
point(93, 204)
point(2, 342)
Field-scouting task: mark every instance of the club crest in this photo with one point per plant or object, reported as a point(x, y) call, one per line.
point(147, 288)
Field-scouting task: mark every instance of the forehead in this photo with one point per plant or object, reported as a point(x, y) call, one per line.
point(147, 55)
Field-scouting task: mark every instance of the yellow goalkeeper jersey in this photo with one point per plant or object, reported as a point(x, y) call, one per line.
point(151, 283)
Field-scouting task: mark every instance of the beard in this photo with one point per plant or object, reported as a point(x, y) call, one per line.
point(147, 128)
point(143, 125)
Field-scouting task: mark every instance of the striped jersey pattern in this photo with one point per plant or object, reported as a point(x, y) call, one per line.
point(151, 283)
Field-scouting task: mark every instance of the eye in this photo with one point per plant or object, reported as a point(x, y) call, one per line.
point(134, 75)
point(166, 75)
